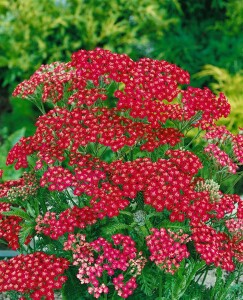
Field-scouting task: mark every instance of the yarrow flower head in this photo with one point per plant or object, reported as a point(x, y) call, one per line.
point(214, 247)
point(167, 248)
point(37, 274)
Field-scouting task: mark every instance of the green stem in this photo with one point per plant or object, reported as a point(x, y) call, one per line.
point(239, 274)
point(193, 138)
point(43, 205)
point(70, 198)
point(199, 277)
point(34, 244)
point(156, 214)
point(234, 183)
point(105, 282)
point(39, 106)
point(160, 286)
point(204, 278)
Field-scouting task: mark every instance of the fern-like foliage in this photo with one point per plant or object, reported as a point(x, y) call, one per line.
point(148, 282)
point(17, 212)
point(220, 290)
point(72, 288)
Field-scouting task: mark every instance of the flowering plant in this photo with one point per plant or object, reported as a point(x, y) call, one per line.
point(124, 193)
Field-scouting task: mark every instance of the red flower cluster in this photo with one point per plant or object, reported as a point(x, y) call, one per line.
point(102, 100)
point(6, 186)
point(238, 147)
point(214, 247)
point(61, 129)
point(52, 77)
point(100, 256)
point(57, 178)
point(186, 161)
point(37, 275)
point(235, 227)
point(107, 201)
point(167, 248)
point(165, 184)
point(237, 248)
point(147, 87)
point(9, 227)
point(225, 206)
point(55, 226)
point(195, 100)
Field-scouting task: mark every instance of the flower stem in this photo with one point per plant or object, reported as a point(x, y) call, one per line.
point(160, 286)
point(204, 278)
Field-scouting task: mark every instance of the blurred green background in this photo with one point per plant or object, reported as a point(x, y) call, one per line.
point(204, 37)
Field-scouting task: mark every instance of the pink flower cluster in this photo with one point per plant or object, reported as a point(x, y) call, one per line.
point(238, 147)
point(27, 187)
point(235, 226)
point(217, 136)
point(99, 257)
point(167, 248)
point(124, 289)
point(37, 275)
point(221, 157)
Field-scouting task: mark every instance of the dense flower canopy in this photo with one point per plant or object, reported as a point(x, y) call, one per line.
point(114, 142)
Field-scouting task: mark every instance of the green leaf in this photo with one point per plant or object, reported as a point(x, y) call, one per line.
point(184, 277)
point(148, 281)
point(26, 231)
point(72, 288)
point(114, 228)
point(18, 213)
point(16, 136)
point(31, 211)
point(220, 291)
